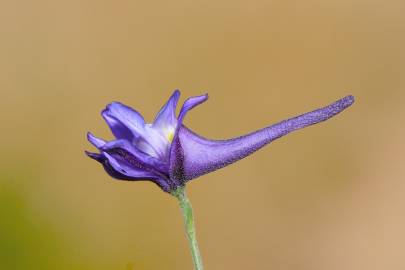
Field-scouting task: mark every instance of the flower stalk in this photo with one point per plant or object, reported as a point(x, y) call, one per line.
point(187, 212)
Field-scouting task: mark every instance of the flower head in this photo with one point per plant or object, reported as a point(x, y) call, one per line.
point(169, 154)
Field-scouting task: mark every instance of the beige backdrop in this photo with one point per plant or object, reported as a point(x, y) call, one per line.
point(327, 197)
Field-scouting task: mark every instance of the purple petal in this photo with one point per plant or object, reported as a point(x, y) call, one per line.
point(125, 122)
point(119, 169)
point(119, 130)
point(94, 156)
point(192, 155)
point(115, 174)
point(97, 142)
point(122, 166)
point(108, 168)
point(167, 114)
point(189, 104)
point(135, 157)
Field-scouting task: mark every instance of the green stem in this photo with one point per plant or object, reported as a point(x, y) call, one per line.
point(187, 211)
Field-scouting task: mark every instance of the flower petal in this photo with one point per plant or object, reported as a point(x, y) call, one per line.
point(135, 157)
point(108, 168)
point(97, 142)
point(192, 155)
point(120, 170)
point(95, 156)
point(122, 166)
point(125, 122)
point(126, 171)
point(189, 104)
point(119, 130)
point(167, 114)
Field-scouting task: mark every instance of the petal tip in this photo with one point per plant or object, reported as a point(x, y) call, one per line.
point(110, 107)
point(176, 92)
point(92, 155)
point(115, 105)
point(190, 103)
point(90, 136)
point(175, 96)
point(97, 142)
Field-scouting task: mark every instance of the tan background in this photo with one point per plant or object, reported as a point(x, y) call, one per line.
point(328, 197)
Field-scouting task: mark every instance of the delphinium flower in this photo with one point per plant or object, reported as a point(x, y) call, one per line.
point(169, 154)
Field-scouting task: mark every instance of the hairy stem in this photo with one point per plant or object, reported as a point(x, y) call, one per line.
point(187, 212)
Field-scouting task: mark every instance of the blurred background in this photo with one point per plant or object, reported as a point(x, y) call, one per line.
point(327, 197)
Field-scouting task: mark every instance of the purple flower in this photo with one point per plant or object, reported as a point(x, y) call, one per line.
point(169, 154)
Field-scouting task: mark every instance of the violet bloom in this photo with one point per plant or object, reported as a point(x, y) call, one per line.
point(169, 154)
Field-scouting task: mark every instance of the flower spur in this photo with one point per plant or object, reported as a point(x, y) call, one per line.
point(169, 154)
